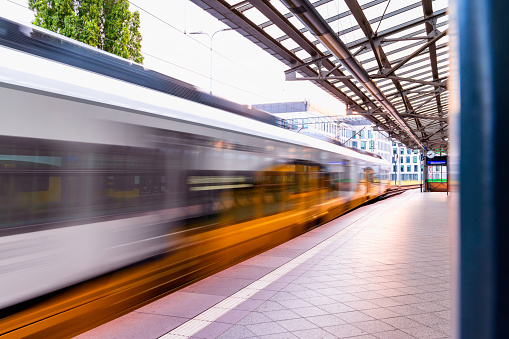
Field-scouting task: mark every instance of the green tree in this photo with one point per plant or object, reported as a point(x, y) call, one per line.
point(105, 24)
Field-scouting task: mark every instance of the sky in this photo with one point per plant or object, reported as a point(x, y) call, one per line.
point(241, 71)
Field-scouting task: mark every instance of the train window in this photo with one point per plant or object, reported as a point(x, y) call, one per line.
point(122, 183)
point(61, 181)
point(36, 183)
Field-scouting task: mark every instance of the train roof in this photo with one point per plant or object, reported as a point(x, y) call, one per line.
point(54, 78)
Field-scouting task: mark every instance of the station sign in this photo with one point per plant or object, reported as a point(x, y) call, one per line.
point(437, 161)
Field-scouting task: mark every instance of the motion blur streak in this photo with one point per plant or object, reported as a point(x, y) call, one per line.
point(115, 192)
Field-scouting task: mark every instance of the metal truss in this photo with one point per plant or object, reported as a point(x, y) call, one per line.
point(293, 123)
point(389, 65)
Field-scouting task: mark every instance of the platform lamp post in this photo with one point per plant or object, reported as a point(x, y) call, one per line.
point(211, 37)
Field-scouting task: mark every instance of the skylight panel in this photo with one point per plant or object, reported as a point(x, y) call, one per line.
point(255, 16)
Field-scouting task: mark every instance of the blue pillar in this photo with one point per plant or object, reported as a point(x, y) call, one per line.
point(483, 29)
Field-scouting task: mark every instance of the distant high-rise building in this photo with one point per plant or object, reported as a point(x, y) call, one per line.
point(406, 164)
point(352, 131)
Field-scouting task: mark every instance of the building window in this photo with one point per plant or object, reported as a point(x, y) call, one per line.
point(394, 168)
point(402, 151)
point(354, 144)
point(394, 143)
point(415, 159)
point(361, 134)
point(407, 160)
point(402, 168)
point(415, 168)
point(370, 134)
point(363, 145)
point(371, 144)
point(409, 168)
point(354, 134)
point(395, 150)
point(408, 151)
point(401, 160)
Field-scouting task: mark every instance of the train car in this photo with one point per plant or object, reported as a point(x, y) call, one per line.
point(113, 192)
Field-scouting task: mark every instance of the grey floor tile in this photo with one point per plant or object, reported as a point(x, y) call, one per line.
point(315, 333)
point(428, 319)
point(405, 310)
point(181, 304)
point(369, 295)
point(444, 314)
point(380, 313)
point(292, 287)
point(309, 311)
point(233, 316)
point(393, 292)
point(322, 300)
point(401, 322)
point(281, 314)
point(279, 296)
point(326, 320)
point(425, 332)
point(270, 306)
point(264, 294)
point(336, 308)
point(374, 326)
point(297, 324)
point(408, 299)
point(249, 305)
point(295, 303)
point(285, 335)
point(135, 325)
point(306, 294)
point(266, 328)
point(254, 318)
point(237, 332)
point(352, 317)
point(397, 334)
point(212, 331)
point(433, 306)
point(361, 305)
point(345, 330)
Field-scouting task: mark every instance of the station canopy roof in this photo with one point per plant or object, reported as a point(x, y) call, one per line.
point(387, 60)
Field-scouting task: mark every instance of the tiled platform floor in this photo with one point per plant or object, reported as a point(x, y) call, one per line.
point(385, 275)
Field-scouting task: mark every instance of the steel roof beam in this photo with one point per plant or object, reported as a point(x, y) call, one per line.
point(419, 77)
point(427, 7)
point(332, 19)
point(381, 58)
point(317, 25)
point(404, 49)
point(397, 29)
point(266, 8)
point(405, 115)
point(410, 63)
point(431, 83)
point(252, 32)
point(416, 52)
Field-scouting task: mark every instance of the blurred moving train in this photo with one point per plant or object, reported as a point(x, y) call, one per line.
point(104, 164)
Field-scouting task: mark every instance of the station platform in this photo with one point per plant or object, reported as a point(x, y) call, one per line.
point(380, 271)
